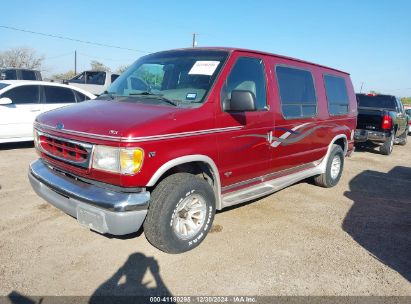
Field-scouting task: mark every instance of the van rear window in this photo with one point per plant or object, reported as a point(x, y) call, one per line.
point(297, 92)
point(377, 101)
point(337, 95)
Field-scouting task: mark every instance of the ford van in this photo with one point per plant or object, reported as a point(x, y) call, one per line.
point(186, 132)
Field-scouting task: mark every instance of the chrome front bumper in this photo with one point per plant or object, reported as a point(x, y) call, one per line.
point(100, 209)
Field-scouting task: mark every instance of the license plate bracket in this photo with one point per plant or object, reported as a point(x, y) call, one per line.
point(93, 219)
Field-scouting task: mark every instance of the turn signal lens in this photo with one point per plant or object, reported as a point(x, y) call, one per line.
point(131, 160)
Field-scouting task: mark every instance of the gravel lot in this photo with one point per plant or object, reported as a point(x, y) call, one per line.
point(354, 239)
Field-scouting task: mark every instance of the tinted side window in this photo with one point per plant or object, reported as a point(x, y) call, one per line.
point(81, 78)
point(98, 78)
point(10, 74)
point(23, 94)
point(247, 74)
point(297, 92)
point(28, 75)
point(337, 95)
point(81, 96)
point(59, 95)
point(114, 77)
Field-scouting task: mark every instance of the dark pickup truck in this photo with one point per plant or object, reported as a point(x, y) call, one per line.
point(381, 119)
point(20, 74)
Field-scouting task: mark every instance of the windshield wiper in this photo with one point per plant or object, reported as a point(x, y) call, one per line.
point(160, 97)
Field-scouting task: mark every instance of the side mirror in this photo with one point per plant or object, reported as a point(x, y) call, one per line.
point(242, 100)
point(5, 101)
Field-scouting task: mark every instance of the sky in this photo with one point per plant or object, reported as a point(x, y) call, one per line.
point(371, 40)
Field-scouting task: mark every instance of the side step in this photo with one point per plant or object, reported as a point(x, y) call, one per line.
point(267, 187)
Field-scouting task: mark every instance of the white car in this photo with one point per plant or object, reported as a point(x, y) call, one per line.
point(21, 101)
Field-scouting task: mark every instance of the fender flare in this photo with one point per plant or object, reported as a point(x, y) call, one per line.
point(323, 163)
point(188, 159)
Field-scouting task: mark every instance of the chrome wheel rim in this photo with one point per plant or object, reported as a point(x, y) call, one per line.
point(335, 167)
point(391, 143)
point(189, 216)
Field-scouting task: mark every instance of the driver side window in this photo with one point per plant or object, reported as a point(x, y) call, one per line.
point(248, 75)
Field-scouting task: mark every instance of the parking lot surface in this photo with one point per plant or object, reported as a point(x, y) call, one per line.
point(353, 239)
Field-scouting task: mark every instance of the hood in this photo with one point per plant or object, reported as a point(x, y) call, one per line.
point(112, 118)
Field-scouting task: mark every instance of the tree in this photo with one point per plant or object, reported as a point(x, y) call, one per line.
point(64, 76)
point(406, 100)
point(99, 66)
point(121, 69)
point(21, 58)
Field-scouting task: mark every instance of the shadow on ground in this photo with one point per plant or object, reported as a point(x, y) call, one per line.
point(17, 145)
point(368, 147)
point(125, 286)
point(380, 218)
point(128, 280)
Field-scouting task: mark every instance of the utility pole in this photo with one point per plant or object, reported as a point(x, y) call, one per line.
point(194, 40)
point(362, 83)
point(75, 62)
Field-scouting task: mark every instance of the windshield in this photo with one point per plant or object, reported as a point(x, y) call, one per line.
point(179, 78)
point(377, 101)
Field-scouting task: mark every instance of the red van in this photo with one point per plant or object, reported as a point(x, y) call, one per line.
point(184, 133)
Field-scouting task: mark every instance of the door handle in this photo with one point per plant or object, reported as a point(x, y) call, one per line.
point(34, 110)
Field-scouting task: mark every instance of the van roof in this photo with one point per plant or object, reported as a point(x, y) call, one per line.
point(231, 49)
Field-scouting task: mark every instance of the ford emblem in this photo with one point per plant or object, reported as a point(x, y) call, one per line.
point(60, 126)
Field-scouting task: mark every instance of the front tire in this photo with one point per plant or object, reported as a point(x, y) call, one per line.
point(180, 214)
point(334, 168)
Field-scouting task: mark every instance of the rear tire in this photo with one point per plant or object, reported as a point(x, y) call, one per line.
point(334, 168)
point(388, 145)
point(180, 214)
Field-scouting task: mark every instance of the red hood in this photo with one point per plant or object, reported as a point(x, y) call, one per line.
point(108, 118)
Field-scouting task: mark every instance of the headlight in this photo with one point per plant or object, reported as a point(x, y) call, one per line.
point(118, 160)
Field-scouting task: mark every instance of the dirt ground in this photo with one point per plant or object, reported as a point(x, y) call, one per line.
point(353, 239)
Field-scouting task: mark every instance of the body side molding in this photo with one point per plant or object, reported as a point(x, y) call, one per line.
point(276, 184)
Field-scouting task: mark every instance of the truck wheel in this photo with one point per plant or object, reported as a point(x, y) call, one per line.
point(334, 168)
point(387, 146)
point(404, 138)
point(181, 213)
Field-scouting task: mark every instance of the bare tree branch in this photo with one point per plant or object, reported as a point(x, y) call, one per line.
point(21, 58)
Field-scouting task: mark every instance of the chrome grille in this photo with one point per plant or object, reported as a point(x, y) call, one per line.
point(66, 150)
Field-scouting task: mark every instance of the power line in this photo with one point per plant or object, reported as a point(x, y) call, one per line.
point(72, 39)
